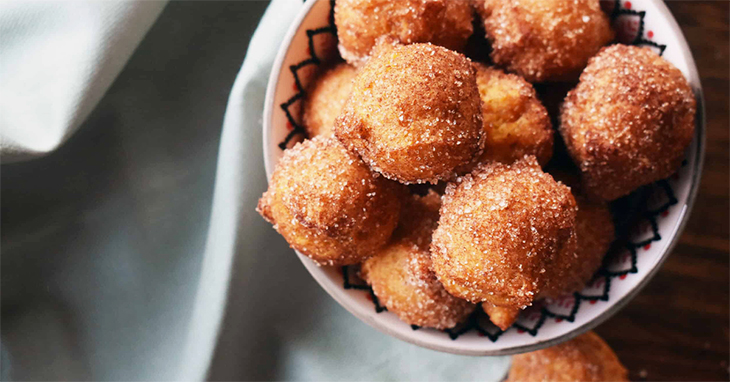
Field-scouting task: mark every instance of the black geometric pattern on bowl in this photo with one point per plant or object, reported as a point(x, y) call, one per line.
point(301, 94)
point(629, 212)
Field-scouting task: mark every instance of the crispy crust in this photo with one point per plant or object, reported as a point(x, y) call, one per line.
point(515, 121)
point(402, 279)
point(414, 113)
point(328, 205)
point(628, 122)
point(501, 316)
point(502, 234)
point(401, 275)
point(361, 22)
point(544, 40)
point(325, 99)
point(594, 233)
point(585, 358)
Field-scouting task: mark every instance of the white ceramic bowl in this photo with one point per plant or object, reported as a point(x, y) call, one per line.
point(662, 208)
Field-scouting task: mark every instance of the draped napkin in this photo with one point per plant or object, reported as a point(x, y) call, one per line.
point(256, 314)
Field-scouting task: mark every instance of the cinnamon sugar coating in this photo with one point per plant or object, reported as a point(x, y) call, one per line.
point(505, 234)
point(401, 276)
point(325, 99)
point(628, 122)
point(328, 205)
point(360, 23)
point(544, 40)
point(594, 233)
point(414, 113)
point(585, 358)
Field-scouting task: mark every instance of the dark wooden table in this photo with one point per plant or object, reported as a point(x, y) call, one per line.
point(677, 327)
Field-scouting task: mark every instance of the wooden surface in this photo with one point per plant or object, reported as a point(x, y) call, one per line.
point(677, 327)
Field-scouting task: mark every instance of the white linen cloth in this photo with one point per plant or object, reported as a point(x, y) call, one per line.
point(57, 58)
point(278, 323)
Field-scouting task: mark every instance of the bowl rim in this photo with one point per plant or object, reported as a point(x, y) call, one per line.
point(338, 293)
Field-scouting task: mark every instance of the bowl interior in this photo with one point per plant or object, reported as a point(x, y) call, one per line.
point(648, 221)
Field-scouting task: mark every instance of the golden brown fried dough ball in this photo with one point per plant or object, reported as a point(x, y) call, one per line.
point(328, 205)
point(414, 113)
point(502, 231)
point(361, 22)
point(515, 121)
point(401, 275)
point(585, 358)
point(544, 40)
point(402, 280)
point(326, 98)
point(628, 122)
point(501, 316)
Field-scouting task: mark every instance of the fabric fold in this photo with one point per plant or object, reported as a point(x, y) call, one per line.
point(57, 59)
